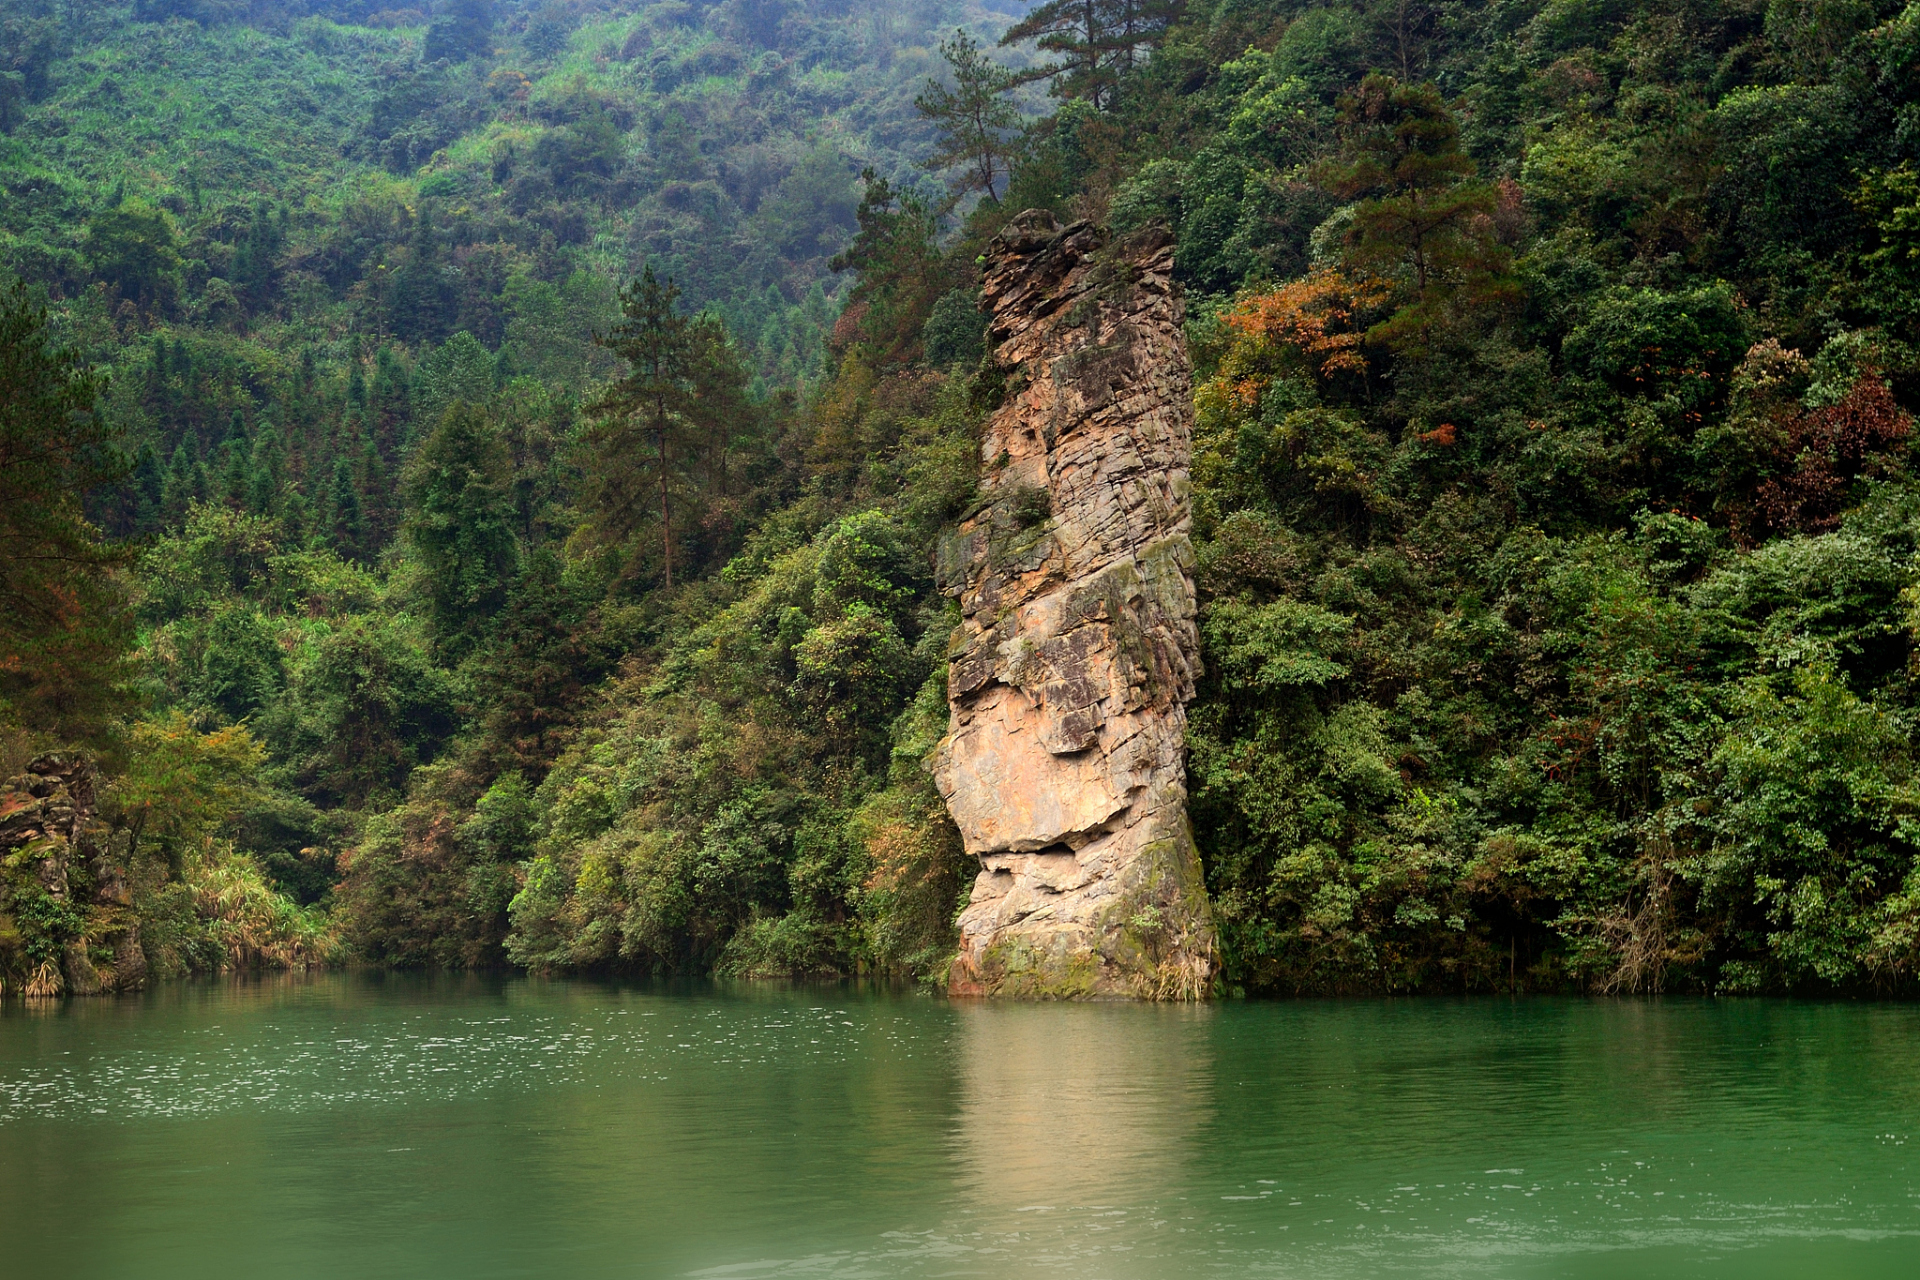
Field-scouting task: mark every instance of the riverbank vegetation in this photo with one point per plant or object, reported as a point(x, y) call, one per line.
point(514, 439)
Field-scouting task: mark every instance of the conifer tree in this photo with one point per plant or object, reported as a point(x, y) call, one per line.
point(148, 482)
point(1075, 30)
point(420, 299)
point(459, 503)
point(683, 390)
point(376, 497)
point(974, 119)
point(295, 514)
point(345, 528)
point(388, 402)
point(1136, 24)
point(176, 491)
point(1096, 41)
point(1419, 209)
point(265, 472)
point(898, 264)
point(253, 262)
point(62, 632)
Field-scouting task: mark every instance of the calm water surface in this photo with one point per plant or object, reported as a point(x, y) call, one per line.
point(368, 1126)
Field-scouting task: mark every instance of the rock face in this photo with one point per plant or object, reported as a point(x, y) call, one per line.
point(1064, 764)
point(47, 823)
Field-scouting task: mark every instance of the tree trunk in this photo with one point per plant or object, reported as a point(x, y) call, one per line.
point(666, 518)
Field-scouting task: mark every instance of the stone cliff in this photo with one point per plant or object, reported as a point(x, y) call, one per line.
point(1064, 762)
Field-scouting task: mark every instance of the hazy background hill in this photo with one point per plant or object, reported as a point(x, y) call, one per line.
point(309, 178)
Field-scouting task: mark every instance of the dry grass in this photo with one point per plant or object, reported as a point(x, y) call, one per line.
point(46, 982)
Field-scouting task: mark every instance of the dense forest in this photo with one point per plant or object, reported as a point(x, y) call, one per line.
point(471, 474)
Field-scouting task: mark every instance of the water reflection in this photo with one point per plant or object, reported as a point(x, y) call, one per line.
point(1080, 1107)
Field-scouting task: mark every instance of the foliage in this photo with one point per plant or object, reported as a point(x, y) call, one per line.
point(671, 422)
point(459, 524)
point(61, 632)
point(1553, 504)
point(974, 120)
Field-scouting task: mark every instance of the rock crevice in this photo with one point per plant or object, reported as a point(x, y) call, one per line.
point(1068, 678)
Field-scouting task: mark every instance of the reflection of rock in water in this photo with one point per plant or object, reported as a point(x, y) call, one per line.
point(1078, 1106)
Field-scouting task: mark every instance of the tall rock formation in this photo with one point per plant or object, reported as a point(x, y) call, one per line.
point(1064, 762)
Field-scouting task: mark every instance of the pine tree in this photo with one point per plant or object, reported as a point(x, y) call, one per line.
point(62, 628)
point(176, 491)
point(149, 483)
point(974, 119)
point(1076, 30)
point(461, 30)
point(897, 261)
point(1096, 40)
point(345, 528)
point(420, 298)
point(295, 513)
point(376, 497)
point(265, 473)
point(253, 261)
point(389, 403)
point(459, 525)
point(1419, 209)
point(233, 473)
point(683, 390)
point(1133, 25)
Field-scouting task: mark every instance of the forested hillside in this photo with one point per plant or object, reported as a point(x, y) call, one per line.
point(522, 442)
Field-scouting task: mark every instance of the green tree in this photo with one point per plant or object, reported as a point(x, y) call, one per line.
point(1098, 41)
point(1079, 32)
point(458, 369)
point(897, 258)
point(364, 712)
point(461, 30)
point(241, 669)
point(459, 524)
point(63, 630)
point(137, 251)
point(544, 655)
point(1419, 208)
point(421, 299)
point(345, 527)
point(678, 403)
point(974, 119)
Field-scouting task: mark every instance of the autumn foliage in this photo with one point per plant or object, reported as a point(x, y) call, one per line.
point(1314, 325)
point(1825, 451)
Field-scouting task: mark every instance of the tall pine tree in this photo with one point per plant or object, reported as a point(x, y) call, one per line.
point(681, 396)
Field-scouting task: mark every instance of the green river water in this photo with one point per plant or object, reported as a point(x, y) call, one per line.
point(370, 1126)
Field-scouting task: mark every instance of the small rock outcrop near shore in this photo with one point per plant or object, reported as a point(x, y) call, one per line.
point(1064, 763)
point(48, 828)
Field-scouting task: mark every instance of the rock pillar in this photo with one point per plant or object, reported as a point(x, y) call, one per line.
point(1064, 763)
